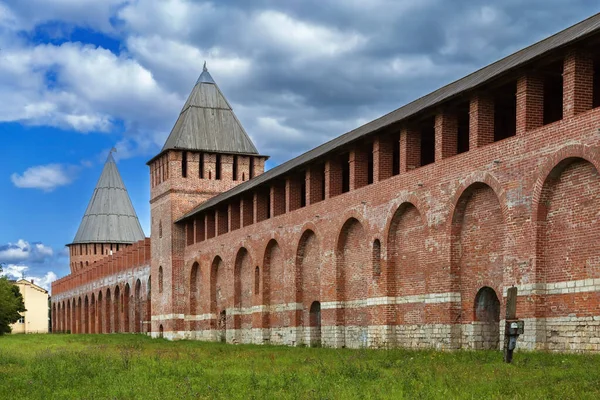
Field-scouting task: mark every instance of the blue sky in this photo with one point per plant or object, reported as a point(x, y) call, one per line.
point(78, 77)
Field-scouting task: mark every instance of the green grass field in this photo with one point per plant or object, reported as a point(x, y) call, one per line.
point(136, 367)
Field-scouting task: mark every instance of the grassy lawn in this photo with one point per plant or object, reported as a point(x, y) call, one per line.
point(136, 367)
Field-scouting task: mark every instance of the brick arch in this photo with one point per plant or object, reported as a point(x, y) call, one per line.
point(574, 151)
point(567, 231)
point(137, 306)
point(242, 293)
point(68, 326)
point(277, 289)
point(308, 276)
point(194, 288)
point(80, 317)
point(100, 313)
point(217, 297)
point(126, 308)
point(352, 271)
point(477, 250)
point(54, 317)
point(117, 310)
point(410, 198)
point(407, 272)
point(149, 303)
point(108, 311)
point(473, 179)
point(92, 314)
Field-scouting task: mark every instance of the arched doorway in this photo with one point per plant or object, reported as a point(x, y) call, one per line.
point(315, 324)
point(160, 331)
point(137, 316)
point(125, 307)
point(222, 326)
point(487, 319)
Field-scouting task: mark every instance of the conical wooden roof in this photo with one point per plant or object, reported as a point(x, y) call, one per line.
point(207, 122)
point(109, 217)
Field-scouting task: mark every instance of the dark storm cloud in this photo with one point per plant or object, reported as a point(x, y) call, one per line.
point(299, 72)
point(439, 42)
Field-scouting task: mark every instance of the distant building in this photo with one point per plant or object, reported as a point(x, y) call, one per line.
point(35, 319)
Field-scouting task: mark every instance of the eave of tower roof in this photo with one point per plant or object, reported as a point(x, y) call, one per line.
point(109, 217)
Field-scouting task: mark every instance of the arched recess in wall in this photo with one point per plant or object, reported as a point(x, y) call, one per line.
point(79, 318)
point(477, 239)
point(73, 316)
point(276, 290)
point(68, 317)
point(61, 317)
point(486, 314)
point(568, 234)
point(54, 318)
point(353, 270)
point(308, 277)
point(85, 318)
point(100, 312)
point(160, 279)
point(407, 272)
point(242, 295)
point(149, 303)
point(117, 310)
point(218, 296)
point(195, 277)
point(126, 308)
point(92, 314)
point(108, 313)
point(308, 282)
point(137, 313)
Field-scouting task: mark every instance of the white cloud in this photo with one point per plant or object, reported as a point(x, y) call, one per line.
point(302, 39)
point(27, 14)
point(24, 251)
point(18, 271)
point(45, 177)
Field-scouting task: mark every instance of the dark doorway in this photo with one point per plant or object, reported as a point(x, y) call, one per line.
point(487, 319)
point(315, 324)
point(222, 326)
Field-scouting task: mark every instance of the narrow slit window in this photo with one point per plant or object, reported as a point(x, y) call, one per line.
point(345, 165)
point(235, 168)
point(201, 165)
point(396, 154)
point(184, 164)
point(218, 167)
point(462, 135)
point(370, 165)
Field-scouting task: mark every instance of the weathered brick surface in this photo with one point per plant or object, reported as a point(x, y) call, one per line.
point(420, 257)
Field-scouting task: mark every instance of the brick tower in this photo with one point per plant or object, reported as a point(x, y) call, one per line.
point(207, 152)
point(109, 223)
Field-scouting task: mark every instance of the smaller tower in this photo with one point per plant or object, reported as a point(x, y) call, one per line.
point(109, 223)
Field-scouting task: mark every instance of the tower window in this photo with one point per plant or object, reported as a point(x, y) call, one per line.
point(201, 165)
point(235, 168)
point(184, 164)
point(218, 167)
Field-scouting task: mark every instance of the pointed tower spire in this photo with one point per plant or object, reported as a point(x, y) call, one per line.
point(207, 122)
point(109, 217)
